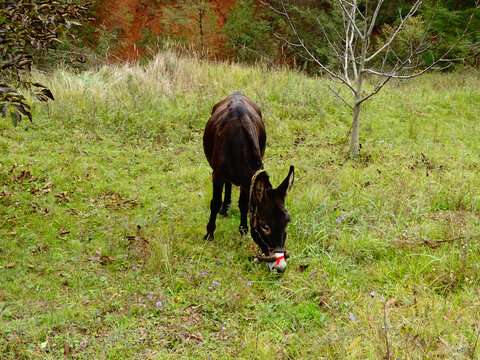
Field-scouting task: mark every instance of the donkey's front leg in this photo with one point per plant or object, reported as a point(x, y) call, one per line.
point(215, 205)
point(243, 206)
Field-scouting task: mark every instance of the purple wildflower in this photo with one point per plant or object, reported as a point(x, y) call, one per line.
point(158, 303)
point(244, 346)
point(338, 220)
point(214, 283)
point(249, 283)
point(82, 343)
point(203, 273)
point(351, 317)
point(149, 297)
point(373, 293)
point(349, 283)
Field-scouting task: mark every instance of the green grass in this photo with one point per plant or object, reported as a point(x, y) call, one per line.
point(389, 239)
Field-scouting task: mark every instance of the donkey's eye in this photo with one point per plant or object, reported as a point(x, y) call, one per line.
point(265, 229)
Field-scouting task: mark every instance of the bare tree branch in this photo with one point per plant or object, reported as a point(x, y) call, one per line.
point(332, 45)
point(374, 17)
point(419, 50)
point(280, 37)
point(337, 95)
point(266, 3)
point(410, 76)
point(412, 11)
point(301, 43)
point(351, 18)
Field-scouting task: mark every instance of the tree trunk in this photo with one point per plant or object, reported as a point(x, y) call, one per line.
point(354, 140)
point(357, 102)
point(200, 21)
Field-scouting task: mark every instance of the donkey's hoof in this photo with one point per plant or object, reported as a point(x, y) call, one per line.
point(224, 211)
point(208, 237)
point(243, 230)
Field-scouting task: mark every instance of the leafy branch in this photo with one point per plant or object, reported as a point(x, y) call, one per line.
point(29, 27)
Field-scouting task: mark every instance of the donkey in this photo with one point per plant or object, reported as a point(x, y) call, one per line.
point(234, 144)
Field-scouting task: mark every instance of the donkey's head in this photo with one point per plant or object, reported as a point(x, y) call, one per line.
point(269, 218)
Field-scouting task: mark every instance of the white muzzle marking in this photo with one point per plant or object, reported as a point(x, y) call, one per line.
point(280, 265)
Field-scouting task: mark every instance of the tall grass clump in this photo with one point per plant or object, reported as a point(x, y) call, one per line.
point(104, 201)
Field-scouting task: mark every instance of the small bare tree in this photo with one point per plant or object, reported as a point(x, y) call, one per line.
point(359, 56)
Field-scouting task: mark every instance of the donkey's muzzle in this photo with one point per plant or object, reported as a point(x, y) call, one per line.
point(276, 262)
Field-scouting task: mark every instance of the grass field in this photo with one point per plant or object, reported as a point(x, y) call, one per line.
point(104, 202)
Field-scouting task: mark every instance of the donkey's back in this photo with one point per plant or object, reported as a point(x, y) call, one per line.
point(234, 139)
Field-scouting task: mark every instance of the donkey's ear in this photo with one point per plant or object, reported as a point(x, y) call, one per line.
point(260, 187)
point(286, 185)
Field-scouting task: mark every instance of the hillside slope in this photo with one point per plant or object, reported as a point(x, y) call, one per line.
point(104, 201)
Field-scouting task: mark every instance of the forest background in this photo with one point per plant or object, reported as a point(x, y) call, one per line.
point(248, 31)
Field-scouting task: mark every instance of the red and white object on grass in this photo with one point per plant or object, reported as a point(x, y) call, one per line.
point(279, 265)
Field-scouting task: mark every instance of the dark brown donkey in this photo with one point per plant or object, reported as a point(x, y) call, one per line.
point(234, 144)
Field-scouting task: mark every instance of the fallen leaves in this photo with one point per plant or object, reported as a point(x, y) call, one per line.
point(137, 237)
point(99, 258)
point(38, 209)
point(12, 265)
point(138, 243)
point(41, 247)
point(62, 197)
point(42, 191)
point(22, 177)
point(116, 201)
point(24, 180)
point(393, 302)
point(112, 199)
point(426, 163)
point(63, 231)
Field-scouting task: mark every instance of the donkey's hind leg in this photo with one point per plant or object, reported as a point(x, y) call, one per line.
point(215, 205)
point(227, 199)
